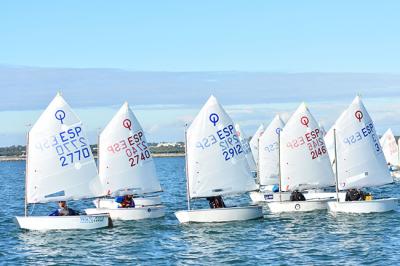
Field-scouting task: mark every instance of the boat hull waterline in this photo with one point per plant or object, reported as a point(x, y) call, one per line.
point(365, 206)
point(297, 206)
point(43, 223)
point(126, 214)
point(268, 196)
point(219, 214)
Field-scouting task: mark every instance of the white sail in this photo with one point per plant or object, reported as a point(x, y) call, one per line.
point(360, 159)
point(304, 158)
point(322, 128)
point(269, 153)
point(389, 147)
point(246, 148)
point(60, 163)
point(398, 145)
point(216, 161)
point(254, 142)
point(125, 163)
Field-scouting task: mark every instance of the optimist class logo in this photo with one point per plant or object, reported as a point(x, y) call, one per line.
point(214, 118)
point(127, 124)
point(60, 115)
point(359, 115)
point(304, 121)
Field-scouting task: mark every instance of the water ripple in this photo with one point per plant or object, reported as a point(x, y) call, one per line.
point(285, 239)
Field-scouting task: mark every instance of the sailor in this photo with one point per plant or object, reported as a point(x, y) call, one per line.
point(63, 210)
point(216, 202)
point(297, 196)
point(126, 201)
point(355, 195)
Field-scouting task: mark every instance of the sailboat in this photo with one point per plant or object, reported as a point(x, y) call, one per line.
point(359, 160)
point(60, 167)
point(391, 152)
point(322, 128)
point(216, 166)
point(126, 167)
point(246, 148)
point(268, 166)
point(304, 162)
point(254, 143)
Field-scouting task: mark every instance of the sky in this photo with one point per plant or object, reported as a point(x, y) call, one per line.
point(300, 36)
point(167, 57)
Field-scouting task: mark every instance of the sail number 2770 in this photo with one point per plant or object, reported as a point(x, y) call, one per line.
point(71, 147)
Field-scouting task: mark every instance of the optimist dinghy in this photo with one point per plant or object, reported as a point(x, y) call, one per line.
point(246, 148)
point(215, 166)
point(360, 161)
point(254, 143)
point(126, 167)
point(391, 152)
point(268, 164)
point(304, 162)
point(60, 167)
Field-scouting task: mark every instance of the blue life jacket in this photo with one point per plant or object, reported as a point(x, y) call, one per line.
point(119, 199)
point(70, 212)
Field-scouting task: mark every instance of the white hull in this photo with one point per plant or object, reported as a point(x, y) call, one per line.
point(297, 206)
point(64, 222)
point(265, 196)
point(139, 202)
point(139, 213)
point(365, 206)
point(219, 215)
point(321, 195)
point(268, 196)
point(395, 175)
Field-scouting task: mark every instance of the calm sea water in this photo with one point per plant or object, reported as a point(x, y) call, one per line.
point(302, 239)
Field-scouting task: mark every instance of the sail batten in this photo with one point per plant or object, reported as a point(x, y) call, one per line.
point(216, 162)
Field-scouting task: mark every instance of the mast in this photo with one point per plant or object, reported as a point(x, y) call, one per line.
point(258, 164)
point(26, 174)
point(279, 165)
point(186, 169)
point(336, 168)
point(98, 161)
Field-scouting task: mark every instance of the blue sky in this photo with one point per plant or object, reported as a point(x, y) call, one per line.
point(300, 36)
point(166, 57)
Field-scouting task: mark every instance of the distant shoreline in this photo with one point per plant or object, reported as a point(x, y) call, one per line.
point(155, 155)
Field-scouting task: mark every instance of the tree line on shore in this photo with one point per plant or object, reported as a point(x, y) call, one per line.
point(156, 148)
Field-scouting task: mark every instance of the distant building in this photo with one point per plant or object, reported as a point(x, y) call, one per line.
point(170, 144)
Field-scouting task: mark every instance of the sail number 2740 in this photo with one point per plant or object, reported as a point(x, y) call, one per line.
point(135, 148)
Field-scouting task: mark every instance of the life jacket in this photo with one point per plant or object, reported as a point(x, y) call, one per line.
point(216, 202)
point(355, 195)
point(67, 212)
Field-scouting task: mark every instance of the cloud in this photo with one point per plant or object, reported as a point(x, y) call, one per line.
point(165, 101)
point(27, 88)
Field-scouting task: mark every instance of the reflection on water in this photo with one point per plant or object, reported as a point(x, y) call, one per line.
point(301, 238)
